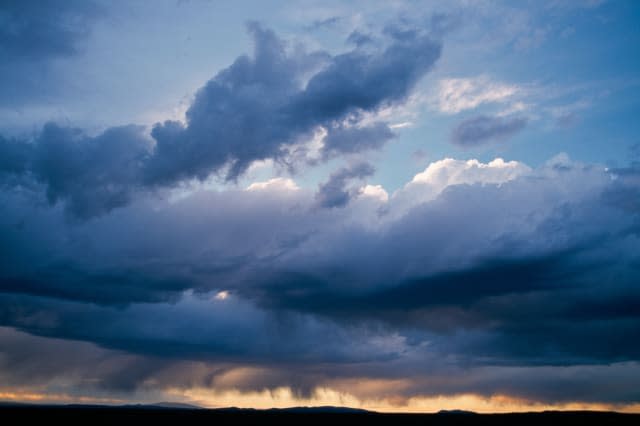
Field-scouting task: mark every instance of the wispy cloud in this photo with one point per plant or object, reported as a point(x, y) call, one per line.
point(454, 95)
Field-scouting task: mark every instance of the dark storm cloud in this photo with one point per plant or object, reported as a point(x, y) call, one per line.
point(625, 191)
point(518, 283)
point(14, 156)
point(484, 129)
point(86, 368)
point(334, 192)
point(507, 271)
point(256, 109)
point(90, 174)
point(342, 139)
point(257, 106)
point(46, 28)
point(32, 34)
point(196, 328)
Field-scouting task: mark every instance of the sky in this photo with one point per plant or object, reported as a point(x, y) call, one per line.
point(392, 205)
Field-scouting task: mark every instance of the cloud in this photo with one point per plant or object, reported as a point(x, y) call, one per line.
point(625, 190)
point(92, 174)
point(277, 184)
point(14, 156)
point(456, 95)
point(32, 36)
point(80, 369)
point(484, 129)
point(324, 23)
point(375, 191)
point(334, 193)
point(264, 107)
point(45, 29)
point(484, 278)
point(510, 271)
point(359, 38)
point(257, 106)
point(341, 139)
point(437, 176)
point(531, 232)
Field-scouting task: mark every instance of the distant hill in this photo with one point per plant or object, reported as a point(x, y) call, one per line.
point(179, 414)
point(456, 412)
point(179, 405)
point(323, 409)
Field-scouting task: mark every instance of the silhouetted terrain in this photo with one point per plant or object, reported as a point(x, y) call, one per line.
point(160, 414)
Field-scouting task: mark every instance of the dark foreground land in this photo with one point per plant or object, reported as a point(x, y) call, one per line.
point(98, 415)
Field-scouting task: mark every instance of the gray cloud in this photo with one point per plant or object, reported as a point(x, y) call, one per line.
point(14, 156)
point(79, 368)
point(625, 191)
point(519, 282)
point(251, 110)
point(36, 30)
point(255, 109)
point(359, 38)
point(342, 139)
point(91, 174)
point(334, 193)
point(540, 278)
point(324, 23)
point(483, 129)
point(32, 34)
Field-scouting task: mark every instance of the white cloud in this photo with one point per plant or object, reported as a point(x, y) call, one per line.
point(514, 108)
point(375, 191)
point(454, 95)
point(450, 172)
point(428, 184)
point(277, 184)
point(401, 125)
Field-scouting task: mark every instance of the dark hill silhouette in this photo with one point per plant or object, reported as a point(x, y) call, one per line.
point(177, 414)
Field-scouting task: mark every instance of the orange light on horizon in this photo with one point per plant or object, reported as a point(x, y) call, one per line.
point(284, 398)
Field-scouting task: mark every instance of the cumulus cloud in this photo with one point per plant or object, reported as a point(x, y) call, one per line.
point(251, 110)
point(92, 174)
point(502, 267)
point(375, 191)
point(485, 278)
point(484, 129)
point(334, 193)
point(437, 176)
point(263, 107)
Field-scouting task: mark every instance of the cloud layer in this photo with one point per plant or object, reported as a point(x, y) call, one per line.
point(267, 106)
point(508, 270)
point(134, 267)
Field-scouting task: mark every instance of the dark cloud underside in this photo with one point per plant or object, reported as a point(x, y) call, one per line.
point(484, 129)
point(255, 109)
